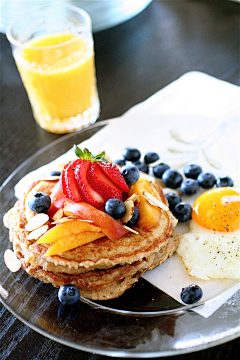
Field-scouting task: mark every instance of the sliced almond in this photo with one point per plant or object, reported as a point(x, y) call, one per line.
point(35, 234)
point(69, 218)
point(174, 221)
point(129, 211)
point(155, 190)
point(60, 167)
point(58, 215)
point(168, 190)
point(51, 178)
point(11, 261)
point(7, 219)
point(130, 229)
point(90, 221)
point(36, 221)
point(134, 197)
point(154, 201)
point(155, 163)
point(160, 183)
point(107, 157)
point(146, 176)
point(63, 220)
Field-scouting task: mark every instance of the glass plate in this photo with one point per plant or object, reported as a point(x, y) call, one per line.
point(133, 325)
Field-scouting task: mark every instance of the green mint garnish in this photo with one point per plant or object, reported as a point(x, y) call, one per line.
point(85, 154)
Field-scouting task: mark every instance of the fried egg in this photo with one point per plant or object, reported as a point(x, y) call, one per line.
point(210, 250)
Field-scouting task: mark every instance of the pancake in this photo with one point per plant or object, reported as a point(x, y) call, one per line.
point(103, 269)
point(105, 284)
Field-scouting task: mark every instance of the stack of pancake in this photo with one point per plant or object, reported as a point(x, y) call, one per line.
point(103, 269)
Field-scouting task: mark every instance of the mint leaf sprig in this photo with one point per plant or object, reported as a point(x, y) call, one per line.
point(85, 154)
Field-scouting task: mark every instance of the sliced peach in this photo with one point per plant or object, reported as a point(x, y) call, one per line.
point(71, 242)
point(57, 199)
point(109, 226)
point(68, 228)
point(149, 214)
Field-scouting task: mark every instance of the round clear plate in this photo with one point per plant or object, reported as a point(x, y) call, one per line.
point(104, 14)
point(133, 325)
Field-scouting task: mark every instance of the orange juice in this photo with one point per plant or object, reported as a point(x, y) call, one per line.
point(59, 76)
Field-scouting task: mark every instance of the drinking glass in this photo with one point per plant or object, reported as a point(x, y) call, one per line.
point(53, 50)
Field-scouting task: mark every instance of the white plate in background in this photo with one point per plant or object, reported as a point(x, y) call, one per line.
point(104, 13)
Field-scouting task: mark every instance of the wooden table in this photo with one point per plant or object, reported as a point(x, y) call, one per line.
point(133, 61)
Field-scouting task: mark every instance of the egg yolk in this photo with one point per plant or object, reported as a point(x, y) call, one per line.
point(218, 209)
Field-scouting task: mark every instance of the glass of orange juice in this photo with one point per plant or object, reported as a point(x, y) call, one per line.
point(54, 53)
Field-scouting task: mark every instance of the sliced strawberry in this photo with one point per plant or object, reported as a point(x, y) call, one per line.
point(62, 178)
point(113, 173)
point(69, 186)
point(102, 184)
point(87, 193)
point(57, 199)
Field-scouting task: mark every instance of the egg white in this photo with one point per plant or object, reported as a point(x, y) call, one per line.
point(236, 177)
point(210, 255)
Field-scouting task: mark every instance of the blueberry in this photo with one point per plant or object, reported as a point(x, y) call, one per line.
point(120, 162)
point(130, 173)
point(172, 178)
point(136, 163)
point(173, 199)
point(141, 166)
point(182, 211)
point(68, 294)
point(131, 154)
point(206, 180)
point(189, 187)
point(115, 208)
point(192, 171)
point(134, 219)
point(55, 173)
point(151, 157)
point(224, 181)
point(159, 170)
point(39, 202)
point(191, 294)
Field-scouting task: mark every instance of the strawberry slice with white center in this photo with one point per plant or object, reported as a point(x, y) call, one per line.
point(89, 179)
point(62, 178)
point(113, 173)
point(87, 193)
point(102, 184)
point(68, 183)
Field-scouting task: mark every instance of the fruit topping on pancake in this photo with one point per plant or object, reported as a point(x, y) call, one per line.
point(110, 200)
point(92, 180)
point(98, 227)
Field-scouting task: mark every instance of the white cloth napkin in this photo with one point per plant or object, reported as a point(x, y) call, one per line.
point(194, 119)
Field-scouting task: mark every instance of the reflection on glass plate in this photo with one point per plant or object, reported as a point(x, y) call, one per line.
point(144, 322)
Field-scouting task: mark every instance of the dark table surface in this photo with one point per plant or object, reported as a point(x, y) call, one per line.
point(133, 61)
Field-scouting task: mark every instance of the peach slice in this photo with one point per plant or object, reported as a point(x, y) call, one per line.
point(68, 228)
point(109, 226)
point(149, 214)
point(57, 199)
point(71, 242)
